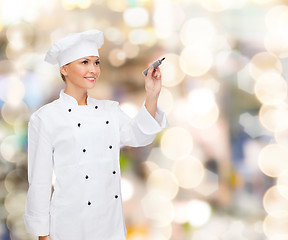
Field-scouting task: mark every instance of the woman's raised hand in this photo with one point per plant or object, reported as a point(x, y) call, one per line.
point(153, 81)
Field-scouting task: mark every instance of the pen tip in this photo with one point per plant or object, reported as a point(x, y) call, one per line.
point(162, 59)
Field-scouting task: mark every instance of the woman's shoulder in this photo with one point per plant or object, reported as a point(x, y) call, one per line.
point(43, 111)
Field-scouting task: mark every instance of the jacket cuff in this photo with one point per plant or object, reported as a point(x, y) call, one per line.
point(149, 124)
point(38, 226)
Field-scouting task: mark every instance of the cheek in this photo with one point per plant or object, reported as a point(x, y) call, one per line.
point(98, 71)
point(78, 70)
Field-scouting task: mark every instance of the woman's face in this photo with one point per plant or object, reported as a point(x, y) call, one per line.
point(82, 72)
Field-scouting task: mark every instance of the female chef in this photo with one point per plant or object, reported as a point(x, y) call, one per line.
point(79, 138)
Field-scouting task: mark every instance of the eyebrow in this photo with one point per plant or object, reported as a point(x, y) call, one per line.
point(89, 59)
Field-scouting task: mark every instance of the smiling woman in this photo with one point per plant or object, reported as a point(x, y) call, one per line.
point(79, 139)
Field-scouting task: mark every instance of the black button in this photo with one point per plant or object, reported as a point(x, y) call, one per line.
point(110, 146)
point(86, 177)
point(69, 110)
point(116, 196)
point(96, 107)
point(89, 203)
point(79, 124)
point(84, 150)
point(107, 122)
point(114, 172)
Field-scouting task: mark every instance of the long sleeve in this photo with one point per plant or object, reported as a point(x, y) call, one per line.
point(142, 129)
point(40, 170)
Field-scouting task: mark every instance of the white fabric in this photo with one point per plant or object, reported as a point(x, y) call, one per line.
point(75, 46)
point(56, 142)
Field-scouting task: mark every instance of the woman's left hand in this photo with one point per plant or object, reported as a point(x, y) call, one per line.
point(153, 82)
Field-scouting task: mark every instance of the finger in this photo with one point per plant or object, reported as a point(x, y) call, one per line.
point(150, 71)
point(157, 73)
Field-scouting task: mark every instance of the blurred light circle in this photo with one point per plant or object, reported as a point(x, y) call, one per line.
point(277, 36)
point(202, 110)
point(263, 1)
point(189, 172)
point(263, 62)
point(117, 57)
point(117, 6)
point(276, 18)
point(10, 111)
point(180, 215)
point(221, 5)
point(131, 50)
point(212, 5)
point(271, 88)
point(203, 234)
point(70, 4)
point(166, 231)
point(196, 61)
point(274, 118)
point(14, 202)
point(152, 39)
point(171, 71)
point(84, 3)
point(272, 160)
point(129, 108)
point(282, 184)
point(166, 100)
point(197, 31)
point(275, 228)
point(163, 182)
point(138, 36)
point(9, 147)
point(198, 213)
point(15, 11)
point(114, 35)
point(136, 17)
point(275, 204)
point(14, 176)
point(176, 143)
point(127, 189)
point(158, 208)
point(201, 101)
point(277, 43)
point(204, 121)
point(282, 138)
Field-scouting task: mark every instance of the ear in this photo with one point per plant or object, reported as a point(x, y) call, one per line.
point(63, 70)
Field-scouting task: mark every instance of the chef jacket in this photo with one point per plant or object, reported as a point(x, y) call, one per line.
point(81, 144)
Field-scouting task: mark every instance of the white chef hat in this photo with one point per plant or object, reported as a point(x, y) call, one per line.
point(75, 46)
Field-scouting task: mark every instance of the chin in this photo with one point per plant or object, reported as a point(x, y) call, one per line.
point(90, 86)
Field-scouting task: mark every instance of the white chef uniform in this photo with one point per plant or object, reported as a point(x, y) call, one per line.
point(81, 143)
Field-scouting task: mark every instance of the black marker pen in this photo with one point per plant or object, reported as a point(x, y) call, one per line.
point(155, 64)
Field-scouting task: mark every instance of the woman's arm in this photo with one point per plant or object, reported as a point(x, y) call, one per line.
point(40, 170)
point(143, 128)
point(153, 87)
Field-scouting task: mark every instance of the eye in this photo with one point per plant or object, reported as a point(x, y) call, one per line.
point(84, 62)
point(97, 62)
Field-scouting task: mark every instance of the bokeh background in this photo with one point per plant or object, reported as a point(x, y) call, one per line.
point(219, 171)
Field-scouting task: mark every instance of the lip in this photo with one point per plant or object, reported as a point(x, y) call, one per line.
point(91, 79)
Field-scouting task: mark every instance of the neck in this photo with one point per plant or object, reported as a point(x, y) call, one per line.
point(79, 94)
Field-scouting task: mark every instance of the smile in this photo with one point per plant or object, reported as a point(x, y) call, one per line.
point(91, 79)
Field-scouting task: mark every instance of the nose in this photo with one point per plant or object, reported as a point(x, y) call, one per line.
point(93, 68)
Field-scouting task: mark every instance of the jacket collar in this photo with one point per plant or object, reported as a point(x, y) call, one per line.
point(71, 100)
